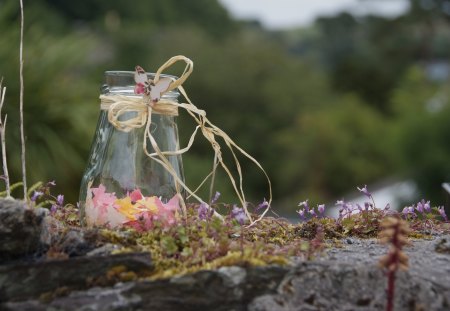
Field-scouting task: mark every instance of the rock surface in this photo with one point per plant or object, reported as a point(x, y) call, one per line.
point(32, 280)
point(88, 278)
point(345, 278)
point(19, 223)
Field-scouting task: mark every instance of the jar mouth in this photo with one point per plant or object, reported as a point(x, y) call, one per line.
point(123, 73)
point(122, 82)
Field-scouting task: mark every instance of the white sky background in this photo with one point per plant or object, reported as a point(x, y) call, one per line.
point(281, 14)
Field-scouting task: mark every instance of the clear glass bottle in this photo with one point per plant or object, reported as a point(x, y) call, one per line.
point(118, 167)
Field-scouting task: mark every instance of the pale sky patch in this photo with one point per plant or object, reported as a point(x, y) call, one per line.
point(279, 14)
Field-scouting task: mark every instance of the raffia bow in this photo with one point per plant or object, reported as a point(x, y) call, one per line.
point(118, 105)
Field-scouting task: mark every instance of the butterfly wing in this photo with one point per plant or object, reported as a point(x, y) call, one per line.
point(157, 90)
point(140, 77)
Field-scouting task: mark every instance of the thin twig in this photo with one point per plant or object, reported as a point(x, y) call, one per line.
point(3, 140)
point(22, 134)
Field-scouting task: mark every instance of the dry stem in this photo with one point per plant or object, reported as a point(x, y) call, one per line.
point(22, 134)
point(3, 140)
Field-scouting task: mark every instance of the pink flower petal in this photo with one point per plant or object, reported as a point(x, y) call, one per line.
point(173, 203)
point(136, 195)
point(139, 88)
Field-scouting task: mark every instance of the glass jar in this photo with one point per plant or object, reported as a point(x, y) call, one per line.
point(119, 174)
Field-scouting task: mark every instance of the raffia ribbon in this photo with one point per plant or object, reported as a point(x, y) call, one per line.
point(118, 105)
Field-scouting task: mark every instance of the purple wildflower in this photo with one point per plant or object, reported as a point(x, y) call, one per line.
point(423, 206)
point(262, 205)
point(239, 214)
point(203, 211)
point(304, 204)
point(405, 211)
point(36, 195)
point(215, 197)
point(321, 208)
point(441, 211)
point(54, 208)
point(343, 210)
point(367, 206)
point(427, 206)
point(419, 207)
point(60, 200)
point(359, 207)
point(364, 191)
point(312, 212)
point(411, 209)
point(302, 214)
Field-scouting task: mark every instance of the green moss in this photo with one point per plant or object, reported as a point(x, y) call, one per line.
point(195, 244)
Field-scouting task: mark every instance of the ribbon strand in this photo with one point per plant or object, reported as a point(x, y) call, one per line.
point(117, 105)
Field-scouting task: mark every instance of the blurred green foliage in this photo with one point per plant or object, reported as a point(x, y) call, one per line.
point(343, 103)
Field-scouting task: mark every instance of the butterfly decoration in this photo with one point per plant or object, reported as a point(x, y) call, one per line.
point(147, 86)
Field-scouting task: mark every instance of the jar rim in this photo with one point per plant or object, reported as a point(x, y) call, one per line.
point(131, 73)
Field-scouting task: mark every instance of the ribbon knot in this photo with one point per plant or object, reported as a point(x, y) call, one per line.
point(126, 113)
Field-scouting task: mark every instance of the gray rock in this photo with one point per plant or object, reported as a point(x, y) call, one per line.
point(331, 286)
point(204, 290)
point(22, 230)
point(345, 278)
point(77, 242)
point(73, 273)
point(104, 250)
point(443, 246)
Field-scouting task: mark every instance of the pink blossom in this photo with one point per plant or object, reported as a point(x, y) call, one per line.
point(165, 214)
point(101, 197)
point(136, 195)
point(103, 201)
point(139, 88)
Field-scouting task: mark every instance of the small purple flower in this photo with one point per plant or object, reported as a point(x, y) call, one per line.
point(343, 210)
point(302, 214)
point(239, 214)
point(364, 191)
point(54, 208)
point(411, 209)
point(405, 211)
point(420, 207)
point(60, 200)
point(203, 211)
point(441, 211)
point(367, 206)
point(321, 208)
point(215, 197)
point(36, 195)
point(304, 204)
point(423, 206)
point(262, 205)
point(312, 212)
point(359, 207)
point(427, 206)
